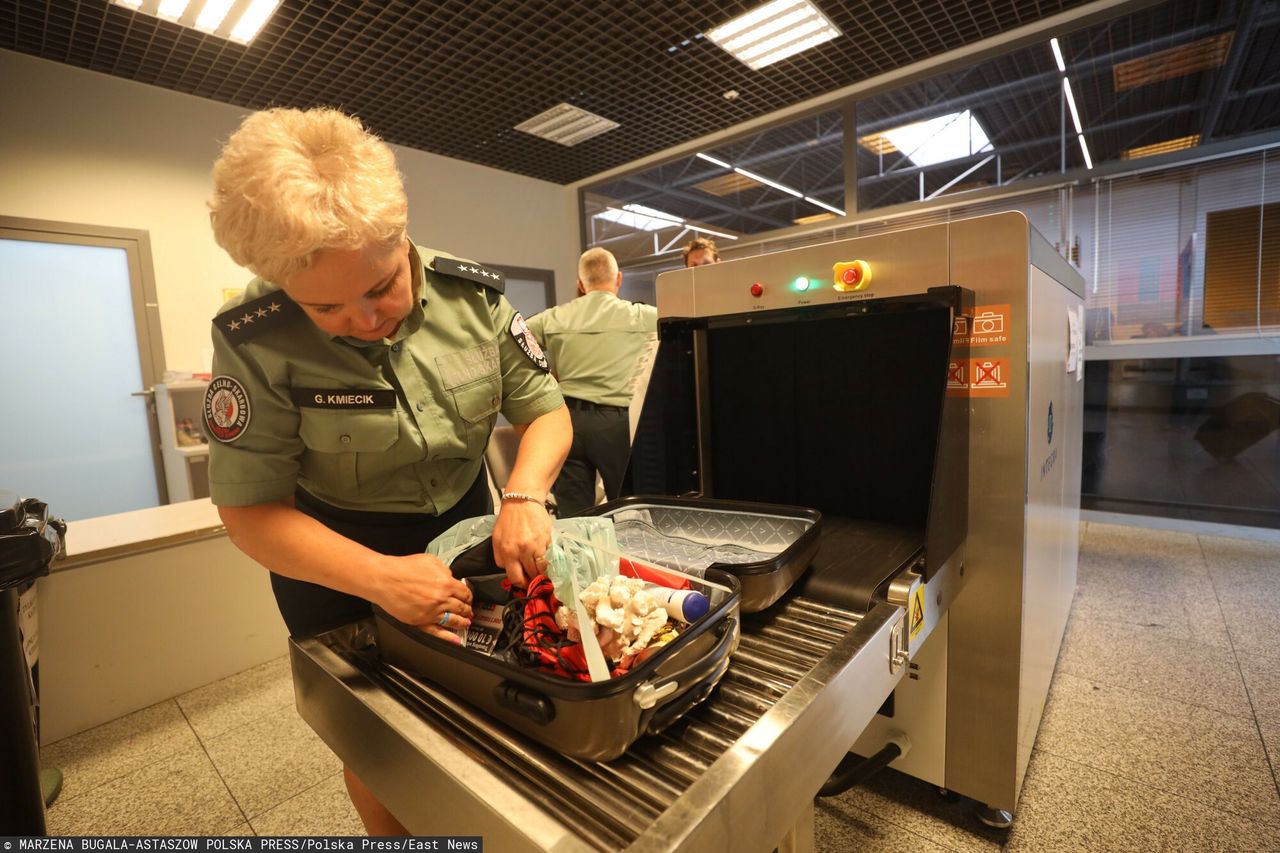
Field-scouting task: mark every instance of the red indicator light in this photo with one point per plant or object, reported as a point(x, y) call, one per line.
point(757, 289)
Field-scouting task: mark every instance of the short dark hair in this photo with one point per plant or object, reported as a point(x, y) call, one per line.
point(700, 243)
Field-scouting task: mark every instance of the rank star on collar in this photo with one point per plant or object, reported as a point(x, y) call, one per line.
point(247, 318)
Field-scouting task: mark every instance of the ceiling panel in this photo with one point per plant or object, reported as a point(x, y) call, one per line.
point(455, 77)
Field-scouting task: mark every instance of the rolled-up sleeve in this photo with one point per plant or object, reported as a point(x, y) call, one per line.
point(260, 462)
point(528, 390)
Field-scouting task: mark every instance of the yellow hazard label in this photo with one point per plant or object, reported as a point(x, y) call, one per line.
point(917, 611)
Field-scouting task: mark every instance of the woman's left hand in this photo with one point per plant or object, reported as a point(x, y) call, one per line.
point(521, 538)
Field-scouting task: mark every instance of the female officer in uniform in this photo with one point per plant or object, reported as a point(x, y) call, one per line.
point(355, 386)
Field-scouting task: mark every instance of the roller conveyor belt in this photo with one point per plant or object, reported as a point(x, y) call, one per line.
point(608, 805)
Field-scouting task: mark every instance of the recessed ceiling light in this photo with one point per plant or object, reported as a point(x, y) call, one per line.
point(1179, 144)
point(236, 20)
point(566, 124)
point(773, 32)
point(937, 140)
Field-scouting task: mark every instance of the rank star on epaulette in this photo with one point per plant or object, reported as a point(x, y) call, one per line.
point(246, 321)
point(493, 279)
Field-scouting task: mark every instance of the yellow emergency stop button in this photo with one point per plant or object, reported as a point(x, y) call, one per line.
point(852, 275)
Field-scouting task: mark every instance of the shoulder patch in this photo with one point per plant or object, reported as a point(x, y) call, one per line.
point(528, 343)
point(226, 408)
point(492, 279)
point(250, 319)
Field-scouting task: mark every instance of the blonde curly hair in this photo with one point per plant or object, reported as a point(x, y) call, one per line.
point(291, 184)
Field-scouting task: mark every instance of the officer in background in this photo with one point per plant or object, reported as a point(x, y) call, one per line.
point(355, 385)
point(700, 252)
point(593, 343)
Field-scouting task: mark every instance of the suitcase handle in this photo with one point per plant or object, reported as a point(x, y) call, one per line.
point(717, 659)
point(528, 703)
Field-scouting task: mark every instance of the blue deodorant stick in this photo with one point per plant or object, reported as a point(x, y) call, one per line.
point(684, 605)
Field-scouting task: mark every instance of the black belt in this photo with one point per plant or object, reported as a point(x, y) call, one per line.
point(575, 403)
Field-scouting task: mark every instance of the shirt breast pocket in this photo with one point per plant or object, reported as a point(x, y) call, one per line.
point(348, 449)
point(477, 404)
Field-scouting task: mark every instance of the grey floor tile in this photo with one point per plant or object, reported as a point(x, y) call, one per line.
point(1156, 660)
point(179, 795)
point(1189, 750)
point(1262, 679)
point(239, 699)
point(324, 809)
point(1181, 603)
point(1270, 730)
point(267, 762)
point(1067, 806)
point(113, 749)
point(839, 827)
point(1164, 549)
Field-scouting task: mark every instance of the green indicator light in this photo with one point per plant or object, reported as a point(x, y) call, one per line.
point(801, 284)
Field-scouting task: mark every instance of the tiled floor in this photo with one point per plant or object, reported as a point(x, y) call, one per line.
point(1162, 732)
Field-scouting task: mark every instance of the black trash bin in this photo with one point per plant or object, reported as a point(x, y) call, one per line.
point(29, 542)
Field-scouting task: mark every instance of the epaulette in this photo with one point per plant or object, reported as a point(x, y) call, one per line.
point(492, 279)
point(250, 319)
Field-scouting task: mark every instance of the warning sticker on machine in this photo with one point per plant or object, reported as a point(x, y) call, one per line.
point(988, 326)
point(917, 611)
point(979, 377)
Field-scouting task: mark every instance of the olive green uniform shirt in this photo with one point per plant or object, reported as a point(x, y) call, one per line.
point(593, 343)
point(395, 425)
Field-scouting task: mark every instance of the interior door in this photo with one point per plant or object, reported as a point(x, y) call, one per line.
point(77, 347)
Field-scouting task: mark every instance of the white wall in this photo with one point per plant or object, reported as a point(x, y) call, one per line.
point(83, 147)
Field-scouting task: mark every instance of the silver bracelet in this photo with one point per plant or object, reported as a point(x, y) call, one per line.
point(522, 496)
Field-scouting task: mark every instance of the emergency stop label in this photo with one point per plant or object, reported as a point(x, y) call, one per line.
point(988, 326)
point(979, 377)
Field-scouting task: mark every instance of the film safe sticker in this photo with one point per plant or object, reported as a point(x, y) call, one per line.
point(528, 343)
point(226, 408)
point(988, 326)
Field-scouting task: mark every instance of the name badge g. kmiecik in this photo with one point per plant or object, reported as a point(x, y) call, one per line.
point(343, 398)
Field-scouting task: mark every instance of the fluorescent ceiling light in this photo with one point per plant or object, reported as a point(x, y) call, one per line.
point(937, 140)
point(253, 19)
point(566, 124)
point(237, 20)
point(702, 230)
point(768, 183)
point(1179, 144)
point(212, 14)
point(824, 205)
point(1071, 102)
point(773, 32)
point(172, 9)
point(1057, 55)
point(1084, 149)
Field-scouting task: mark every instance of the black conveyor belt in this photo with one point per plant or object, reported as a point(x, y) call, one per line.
point(855, 558)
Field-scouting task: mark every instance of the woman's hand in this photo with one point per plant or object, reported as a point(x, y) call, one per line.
point(521, 539)
point(420, 590)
